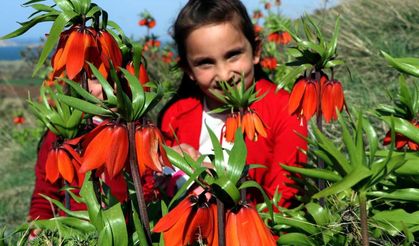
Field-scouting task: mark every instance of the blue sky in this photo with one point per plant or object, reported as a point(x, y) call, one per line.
point(126, 14)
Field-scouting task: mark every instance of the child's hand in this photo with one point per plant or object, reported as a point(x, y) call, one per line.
point(186, 148)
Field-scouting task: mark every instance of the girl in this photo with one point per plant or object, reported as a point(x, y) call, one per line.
point(216, 42)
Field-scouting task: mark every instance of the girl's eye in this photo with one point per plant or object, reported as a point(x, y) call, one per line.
point(233, 54)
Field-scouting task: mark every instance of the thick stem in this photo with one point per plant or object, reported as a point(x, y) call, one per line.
point(364, 218)
point(221, 223)
point(137, 182)
point(320, 163)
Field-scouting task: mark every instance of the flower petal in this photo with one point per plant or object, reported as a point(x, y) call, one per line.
point(296, 96)
point(51, 166)
point(310, 100)
point(65, 166)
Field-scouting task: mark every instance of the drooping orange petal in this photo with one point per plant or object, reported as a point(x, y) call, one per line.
point(232, 235)
point(154, 152)
point(213, 240)
point(51, 166)
point(265, 236)
point(65, 166)
point(162, 152)
point(249, 126)
point(327, 101)
point(259, 126)
point(97, 150)
point(296, 96)
point(338, 98)
point(231, 127)
point(109, 46)
point(144, 146)
point(118, 152)
point(200, 226)
point(310, 100)
point(171, 218)
point(76, 44)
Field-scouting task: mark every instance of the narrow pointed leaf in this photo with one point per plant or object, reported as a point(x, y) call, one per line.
point(314, 173)
point(84, 106)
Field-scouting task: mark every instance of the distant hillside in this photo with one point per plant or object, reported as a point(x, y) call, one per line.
point(368, 26)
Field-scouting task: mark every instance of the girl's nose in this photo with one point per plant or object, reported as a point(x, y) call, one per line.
point(224, 73)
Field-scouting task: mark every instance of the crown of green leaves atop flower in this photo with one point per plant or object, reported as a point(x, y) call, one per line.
point(60, 118)
point(314, 51)
point(62, 13)
point(235, 96)
point(117, 105)
point(224, 180)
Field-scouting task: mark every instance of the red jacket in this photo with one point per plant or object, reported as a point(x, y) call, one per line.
point(281, 146)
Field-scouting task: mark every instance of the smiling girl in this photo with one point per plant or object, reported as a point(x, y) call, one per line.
point(216, 42)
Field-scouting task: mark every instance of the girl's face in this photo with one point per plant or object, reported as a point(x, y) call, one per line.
point(95, 88)
point(219, 52)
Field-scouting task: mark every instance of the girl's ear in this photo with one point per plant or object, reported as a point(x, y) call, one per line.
point(258, 50)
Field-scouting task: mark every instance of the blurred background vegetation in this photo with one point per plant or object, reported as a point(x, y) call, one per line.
point(367, 26)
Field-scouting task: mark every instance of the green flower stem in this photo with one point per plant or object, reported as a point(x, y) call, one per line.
point(364, 219)
point(221, 224)
point(137, 181)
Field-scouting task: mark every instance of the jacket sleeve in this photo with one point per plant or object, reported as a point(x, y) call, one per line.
point(40, 208)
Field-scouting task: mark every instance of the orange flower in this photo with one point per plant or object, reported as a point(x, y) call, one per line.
point(18, 120)
point(245, 227)
point(304, 98)
point(332, 98)
point(108, 147)
point(269, 63)
point(268, 6)
point(150, 151)
point(167, 57)
point(257, 28)
point(257, 14)
point(151, 23)
point(142, 75)
point(253, 126)
point(64, 161)
point(280, 37)
point(402, 141)
point(192, 220)
point(78, 45)
point(142, 22)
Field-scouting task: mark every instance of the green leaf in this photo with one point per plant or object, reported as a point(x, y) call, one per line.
point(114, 217)
point(139, 228)
point(405, 65)
point(251, 183)
point(355, 176)
point(82, 92)
point(28, 25)
point(351, 146)
point(314, 172)
point(64, 5)
point(296, 222)
point(407, 194)
point(410, 167)
point(404, 127)
point(218, 153)
point(107, 88)
point(52, 39)
point(372, 137)
point(393, 220)
point(315, 47)
point(187, 184)
point(178, 160)
point(320, 215)
point(333, 63)
point(138, 97)
point(93, 206)
point(297, 239)
point(237, 157)
point(84, 106)
point(331, 49)
point(63, 208)
point(93, 11)
point(330, 148)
